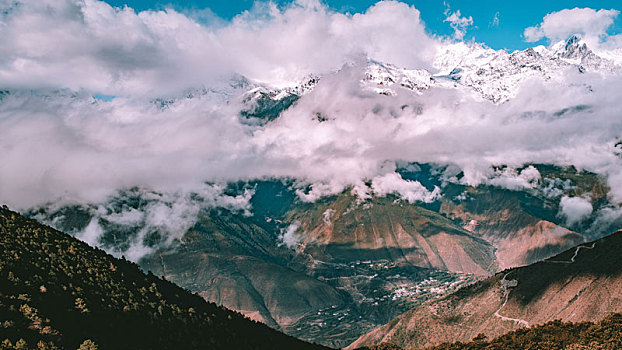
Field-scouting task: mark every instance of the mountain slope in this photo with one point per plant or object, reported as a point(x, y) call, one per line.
point(340, 229)
point(553, 335)
point(580, 284)
point(231, 260)
point(59, 292)
point(332, 270)
point(515, 223)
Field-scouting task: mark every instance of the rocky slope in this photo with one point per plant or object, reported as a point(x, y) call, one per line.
point(580, 284)
point(340, 230)
point(525, 225)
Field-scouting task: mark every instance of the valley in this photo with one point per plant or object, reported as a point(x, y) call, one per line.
point(332, 270)
point(310, 174)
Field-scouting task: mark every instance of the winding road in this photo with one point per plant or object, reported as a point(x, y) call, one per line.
point(507, 284)
point(576, 252)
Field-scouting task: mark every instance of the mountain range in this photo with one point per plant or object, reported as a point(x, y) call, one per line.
point(331, 270)
point(495, 75)
point(396, 266)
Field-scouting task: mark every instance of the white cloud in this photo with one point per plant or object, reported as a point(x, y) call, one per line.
point(289, 237)
point(411, 191)
point(458, 23)
point(326, 216)
point(511, 179)
point(72, 147)
point(590, 23)
point(115, 51)
point(495, 20)
point(575, 209)
point(58, 144)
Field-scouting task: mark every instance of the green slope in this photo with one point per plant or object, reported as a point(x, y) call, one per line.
point(57, 292)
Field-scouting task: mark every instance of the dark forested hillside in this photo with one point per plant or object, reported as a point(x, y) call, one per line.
point(57, 292)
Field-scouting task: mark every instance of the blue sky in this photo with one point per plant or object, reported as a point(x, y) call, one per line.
point(514, 16)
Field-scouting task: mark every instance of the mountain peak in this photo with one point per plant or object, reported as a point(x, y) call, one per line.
point(572, 48)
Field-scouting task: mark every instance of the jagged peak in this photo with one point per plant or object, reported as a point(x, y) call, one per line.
point(573, 39)
point(573, 47)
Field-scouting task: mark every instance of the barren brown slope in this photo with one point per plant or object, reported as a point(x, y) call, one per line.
point(580, 284)
point(518, 225)
point(232, 261)
point(340, 229)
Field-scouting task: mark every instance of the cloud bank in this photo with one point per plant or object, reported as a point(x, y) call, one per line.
point(177, 87)
point(87, 44)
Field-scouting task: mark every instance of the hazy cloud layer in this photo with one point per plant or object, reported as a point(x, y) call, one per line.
point(141, 221)
point(87, 44)
point(63, 146)
point(175, 121)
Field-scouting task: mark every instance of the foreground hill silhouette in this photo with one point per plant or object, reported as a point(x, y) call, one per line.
point(58, 292)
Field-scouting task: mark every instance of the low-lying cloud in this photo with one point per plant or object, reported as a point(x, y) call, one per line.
point(174, 122)
point(575, 209)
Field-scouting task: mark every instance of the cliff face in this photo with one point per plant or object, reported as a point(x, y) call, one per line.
point(580, 284)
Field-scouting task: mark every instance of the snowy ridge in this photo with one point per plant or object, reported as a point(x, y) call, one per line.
point(497, 75)
point(382, 77)
point(494, 75)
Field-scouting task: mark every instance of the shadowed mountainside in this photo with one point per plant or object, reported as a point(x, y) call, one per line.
point(580, 284)
point(57, 292)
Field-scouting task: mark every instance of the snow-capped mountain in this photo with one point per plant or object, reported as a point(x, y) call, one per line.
point(383, 78)
point(476, 70)
point(498, 75)
point(495, 75)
